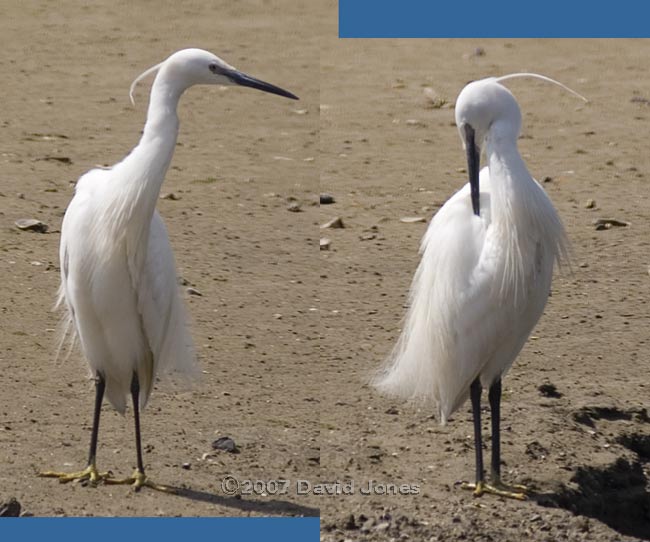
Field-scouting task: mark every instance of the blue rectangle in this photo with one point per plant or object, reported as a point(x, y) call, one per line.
point(494, 19)
point(160, 529)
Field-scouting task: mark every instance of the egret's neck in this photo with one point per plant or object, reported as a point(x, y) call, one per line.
point(141, 174)
point(161, 127)
point(509, 177)
point(149, 161)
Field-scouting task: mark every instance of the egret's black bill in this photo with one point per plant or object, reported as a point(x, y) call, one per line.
point(473, 165)
point(244, 80)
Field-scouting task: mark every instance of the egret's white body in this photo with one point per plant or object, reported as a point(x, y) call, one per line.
point(119, 283)
point(118, 278)
point(483, 281)
point(479, 290)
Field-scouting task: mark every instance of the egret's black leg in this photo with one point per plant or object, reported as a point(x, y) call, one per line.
point(100, 386)
point(480, 487)
point(135, 396)
point(475, 391)
point(494, 396)
point(139, 479)
point(90, 473)
point(475, 396)
point(498, 487)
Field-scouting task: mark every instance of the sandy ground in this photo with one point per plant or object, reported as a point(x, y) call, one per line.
point(290, 389)
point(240, 155)
point(387, 153)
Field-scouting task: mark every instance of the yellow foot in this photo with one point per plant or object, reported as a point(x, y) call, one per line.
point(90, 473)
point(502, 490)
point(139, 480)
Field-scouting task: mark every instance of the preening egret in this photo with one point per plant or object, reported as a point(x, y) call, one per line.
point(118, 278)
point(484, 277)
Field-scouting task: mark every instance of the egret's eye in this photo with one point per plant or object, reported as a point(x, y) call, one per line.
point(220, 70)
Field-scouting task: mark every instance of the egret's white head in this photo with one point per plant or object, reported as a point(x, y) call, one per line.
point(482, 107)
point(485, 110)
point(189, 67)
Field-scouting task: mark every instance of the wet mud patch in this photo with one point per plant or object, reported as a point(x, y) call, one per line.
point(589, 414)
point(616, 494)
point(638, 443)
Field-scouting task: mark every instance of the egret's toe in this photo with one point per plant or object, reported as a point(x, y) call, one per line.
point(139, 480)
point(500, 489)
point(90, 473)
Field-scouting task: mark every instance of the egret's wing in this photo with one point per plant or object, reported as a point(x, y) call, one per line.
point(163, 315)
point(77, 221)
point(449, 326)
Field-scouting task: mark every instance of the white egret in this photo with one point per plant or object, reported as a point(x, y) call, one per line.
point(118, 278)
point(484, 277)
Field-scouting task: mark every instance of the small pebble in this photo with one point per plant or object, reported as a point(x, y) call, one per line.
point(31, 224)
point(415, 122)
point(10, 509)
point(171, 196)
point(334, 223)
point(367, 525)
point(382, 526)
point(326, 199)
point(608, 223)
point(325, 243)
point(590, 204)
point(194, 291)
point(225, 444)
point(549, 390)
point(412, 219)
point(294, 207)
point(60, 159)
point(350, 524)
point(434, 100)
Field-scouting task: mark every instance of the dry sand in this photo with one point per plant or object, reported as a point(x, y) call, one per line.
point(291, 389)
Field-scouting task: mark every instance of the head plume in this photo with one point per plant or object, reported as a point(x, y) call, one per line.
point(141, 77)
point(543, 78)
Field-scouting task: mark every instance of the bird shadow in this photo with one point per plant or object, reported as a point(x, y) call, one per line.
point(616, 495)
point(272, 507)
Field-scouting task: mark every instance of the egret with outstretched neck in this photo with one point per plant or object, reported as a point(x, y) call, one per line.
point(118, 278)
point(484, 277)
